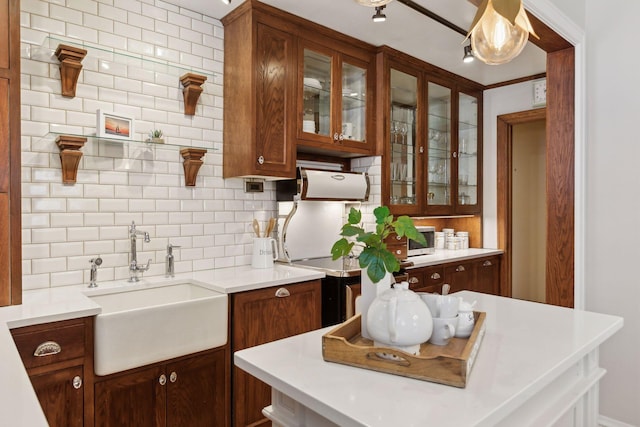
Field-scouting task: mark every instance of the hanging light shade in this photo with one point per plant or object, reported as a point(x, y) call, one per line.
point(499, 31)
point(373, 3)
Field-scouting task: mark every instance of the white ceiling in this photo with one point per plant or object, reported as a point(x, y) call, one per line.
point(405, 30)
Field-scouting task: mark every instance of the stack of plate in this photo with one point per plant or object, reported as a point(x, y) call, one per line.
point(309, 126)
point(312, 83)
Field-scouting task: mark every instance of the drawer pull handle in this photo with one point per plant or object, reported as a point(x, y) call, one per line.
point(413, 280)
point(77, 382)
point(460, 268)
point(282, 293)
point(163, 379)
point(173, 377)
point(487, 263)
point(435, 276)
point(47, 348)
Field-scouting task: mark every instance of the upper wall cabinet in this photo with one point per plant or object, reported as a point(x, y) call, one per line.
point(335, 99)
point(290, 86)
point(431, 126)
point(259, 95)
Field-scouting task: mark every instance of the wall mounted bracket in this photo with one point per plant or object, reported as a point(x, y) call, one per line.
point(70, 58)
point(70, 156)
point(191, 92)
point(192, 162)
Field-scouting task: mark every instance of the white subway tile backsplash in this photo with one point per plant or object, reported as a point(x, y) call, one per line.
point(127, 181)
point(89, 6)
point(68, 249)
point(48, 235)
point(67, 219)
point(82, 33)
point(102, 23)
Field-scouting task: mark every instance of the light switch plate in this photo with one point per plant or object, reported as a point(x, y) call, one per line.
point(539, 93)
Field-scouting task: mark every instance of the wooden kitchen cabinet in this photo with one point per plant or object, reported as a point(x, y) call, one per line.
point(488, 275)
point(262, 316)
point(59, 360)
point(335, 98)
point(426, 279)
point(431, 126)
point(187, 391)
point(477, 274)
point(259, 87)
point(10, 181)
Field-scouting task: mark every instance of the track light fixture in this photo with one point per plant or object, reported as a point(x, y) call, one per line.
point(379, 16)
point(468, 54)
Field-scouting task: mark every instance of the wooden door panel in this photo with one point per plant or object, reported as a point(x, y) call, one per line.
point(4, 33)
point(5, 251)
point(275, 100)
point(136, 399)
point(5, 167)
point(196, 396)
point(61, 402)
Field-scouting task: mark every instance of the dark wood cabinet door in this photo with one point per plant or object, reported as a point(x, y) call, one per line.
point(488, 275)
point(61, 401)
point(132, 399)
point(275, 101)
point(196, 391)
point(460, 276)
point(263, 316)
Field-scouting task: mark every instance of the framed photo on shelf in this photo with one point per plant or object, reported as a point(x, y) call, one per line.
point(115, 126)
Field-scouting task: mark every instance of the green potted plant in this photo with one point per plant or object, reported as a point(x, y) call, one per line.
point(375, 259)
point(156, 136)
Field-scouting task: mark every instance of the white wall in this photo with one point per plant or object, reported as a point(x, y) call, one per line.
point(502, 100)
point(66, 225)
point(612, 196)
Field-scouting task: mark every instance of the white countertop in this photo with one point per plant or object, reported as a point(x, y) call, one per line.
point(18, 403)
point(444, 255)
point(526, 345)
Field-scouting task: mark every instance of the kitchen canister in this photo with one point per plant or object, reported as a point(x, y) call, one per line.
point(464, 236)
point(439, 239)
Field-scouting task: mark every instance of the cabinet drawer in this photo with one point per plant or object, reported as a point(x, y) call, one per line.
point(51, 343)
point(397, 245)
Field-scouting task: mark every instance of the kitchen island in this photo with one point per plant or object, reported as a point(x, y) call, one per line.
point(537, 366)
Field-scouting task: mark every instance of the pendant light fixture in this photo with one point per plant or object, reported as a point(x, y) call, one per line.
point(499, 31)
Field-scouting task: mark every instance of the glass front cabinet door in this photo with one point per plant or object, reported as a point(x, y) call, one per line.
point(468, 154)
point(433, 151)
point(335, 112)
point(405, 150)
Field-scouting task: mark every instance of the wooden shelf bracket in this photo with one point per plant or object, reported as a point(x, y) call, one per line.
point(70, 156)
point(191, 92)
point(192, 162)
point(70, 66)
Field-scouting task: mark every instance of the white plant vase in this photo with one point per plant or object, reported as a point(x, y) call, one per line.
point(368, 292)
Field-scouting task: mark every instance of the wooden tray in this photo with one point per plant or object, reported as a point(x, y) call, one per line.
point(450, 364)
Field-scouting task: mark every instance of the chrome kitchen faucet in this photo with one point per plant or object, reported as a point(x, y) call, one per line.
point(134, 268)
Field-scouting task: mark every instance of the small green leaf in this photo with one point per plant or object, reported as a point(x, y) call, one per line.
point(381, 213)
point(355, 216)
point(341, 248)
point(350, 230)
point(404, 227)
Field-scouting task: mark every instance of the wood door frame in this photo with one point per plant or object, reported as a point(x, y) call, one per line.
point(504, 136)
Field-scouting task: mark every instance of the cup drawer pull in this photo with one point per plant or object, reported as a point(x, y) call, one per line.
point(460, 268)
point(47, 348)
point(282, 293)
point(487, 263)
point(435, 276)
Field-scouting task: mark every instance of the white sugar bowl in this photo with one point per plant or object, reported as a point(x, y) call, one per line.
point(398, 318)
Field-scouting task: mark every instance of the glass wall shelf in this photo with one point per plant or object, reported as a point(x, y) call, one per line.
point(107, 57)
point(53, 136)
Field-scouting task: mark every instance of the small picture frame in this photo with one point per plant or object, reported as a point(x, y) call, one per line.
point(114, 126)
